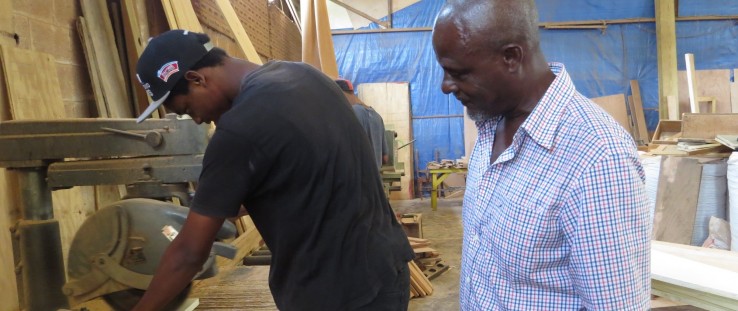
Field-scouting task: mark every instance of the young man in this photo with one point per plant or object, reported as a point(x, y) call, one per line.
point(286, 149)
point(555, 213)
point(370, 120)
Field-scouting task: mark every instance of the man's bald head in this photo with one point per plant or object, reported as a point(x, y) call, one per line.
point(492, 23)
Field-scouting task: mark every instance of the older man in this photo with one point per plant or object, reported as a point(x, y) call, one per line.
point(555, 213)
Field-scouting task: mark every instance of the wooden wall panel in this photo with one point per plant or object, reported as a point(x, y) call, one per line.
point(32, 84)
point(713, 83)
point(615, 106)
point(109, 66)
point(392, 102)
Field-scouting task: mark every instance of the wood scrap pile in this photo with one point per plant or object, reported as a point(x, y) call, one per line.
point(446, 163)
point(426, 266)
point(704, 134)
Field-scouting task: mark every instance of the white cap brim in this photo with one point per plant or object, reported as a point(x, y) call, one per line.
point(151, 108)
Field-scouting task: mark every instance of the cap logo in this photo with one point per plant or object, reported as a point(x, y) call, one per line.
point(168, 70)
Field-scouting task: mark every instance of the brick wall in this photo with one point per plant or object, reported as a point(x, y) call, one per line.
point(49, 26)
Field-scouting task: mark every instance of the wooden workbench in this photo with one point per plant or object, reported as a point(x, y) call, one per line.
point(236, 288)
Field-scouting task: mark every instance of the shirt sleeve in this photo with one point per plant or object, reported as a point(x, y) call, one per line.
point(610, 233)
point(232, 167)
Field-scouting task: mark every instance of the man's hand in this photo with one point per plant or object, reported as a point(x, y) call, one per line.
point(181, 261)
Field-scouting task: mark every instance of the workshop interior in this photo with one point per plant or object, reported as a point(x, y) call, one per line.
point(90, 199)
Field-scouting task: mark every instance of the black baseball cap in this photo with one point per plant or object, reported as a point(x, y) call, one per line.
point(164, 62)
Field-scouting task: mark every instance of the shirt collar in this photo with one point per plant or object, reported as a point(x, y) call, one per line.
point(542, 123)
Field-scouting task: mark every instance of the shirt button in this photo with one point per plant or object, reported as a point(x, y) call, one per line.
point(468, 280)
point(475, 237)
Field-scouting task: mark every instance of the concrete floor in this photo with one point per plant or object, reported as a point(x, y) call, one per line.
point(243, 287)
point(443, 229)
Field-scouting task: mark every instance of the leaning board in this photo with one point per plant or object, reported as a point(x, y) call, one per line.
point(32, 84)
point(676, 199)
point(392, 102)
point(615, 106)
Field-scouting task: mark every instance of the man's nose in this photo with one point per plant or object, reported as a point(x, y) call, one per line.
point(448, 86)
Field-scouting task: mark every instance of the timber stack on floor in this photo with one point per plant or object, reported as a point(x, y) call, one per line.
point(426, 266)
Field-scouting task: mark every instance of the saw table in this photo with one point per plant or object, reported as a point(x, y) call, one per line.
point(152, 157)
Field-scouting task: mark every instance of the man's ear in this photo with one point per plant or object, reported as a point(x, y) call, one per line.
point(513, 56)
point(194, 77)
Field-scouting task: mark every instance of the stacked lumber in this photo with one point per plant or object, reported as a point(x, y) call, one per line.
point(426, 266)
point(420, 286)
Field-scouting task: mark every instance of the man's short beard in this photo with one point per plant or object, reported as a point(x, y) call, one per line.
point(478, 115)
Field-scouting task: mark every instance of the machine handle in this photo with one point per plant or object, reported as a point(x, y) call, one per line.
point(153, 138)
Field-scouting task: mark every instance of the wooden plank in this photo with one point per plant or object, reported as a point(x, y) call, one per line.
point(242, 38)
point(715, 257)
point(111, 73)
point(691, 83)
point(417, 274)
point(640, 119)
point(674, 111)
point(246, 243)
point(6, 23)
point(5, 113)
point(666, 57)
point(31, 80)
point(8, 187)
point(135, 44)
point(235, 288)
point(615, 106)
point(169, 12)
point(674, 150)
point(92, 69)
point(676, 199)
point(698, 276)
point(392, 102)
point(71, 209)
point(317, 40)
point(185, 15)
point(712, 83)
point(708, 125)
point(633, 123)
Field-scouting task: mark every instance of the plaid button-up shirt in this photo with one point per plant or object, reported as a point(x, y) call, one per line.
point(560, 220)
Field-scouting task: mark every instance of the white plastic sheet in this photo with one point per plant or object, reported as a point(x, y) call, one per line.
point(712, 200)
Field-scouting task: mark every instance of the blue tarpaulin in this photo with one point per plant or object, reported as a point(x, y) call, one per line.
point(600, 62)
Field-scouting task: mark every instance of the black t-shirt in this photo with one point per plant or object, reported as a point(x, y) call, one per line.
point(293, 153)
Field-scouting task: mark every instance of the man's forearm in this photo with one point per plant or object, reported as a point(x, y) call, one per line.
point(176, 269)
